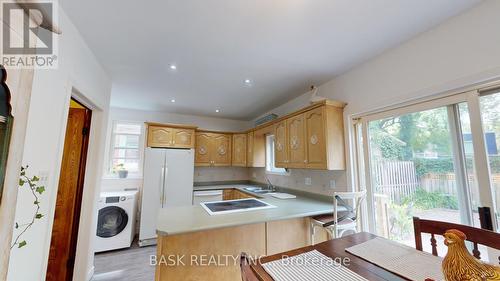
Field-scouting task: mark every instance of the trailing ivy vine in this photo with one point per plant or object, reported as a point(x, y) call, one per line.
point(36, 191)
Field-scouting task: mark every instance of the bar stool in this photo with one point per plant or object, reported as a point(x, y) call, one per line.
point(336, 225)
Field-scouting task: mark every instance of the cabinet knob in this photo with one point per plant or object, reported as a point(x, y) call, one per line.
point(305, 161)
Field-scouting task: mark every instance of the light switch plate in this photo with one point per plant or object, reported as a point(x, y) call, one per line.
point(308, 181)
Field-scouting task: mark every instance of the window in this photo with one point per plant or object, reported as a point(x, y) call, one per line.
point(125, 150)
point(270, 168)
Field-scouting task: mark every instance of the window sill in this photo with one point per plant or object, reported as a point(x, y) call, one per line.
point(278, 173)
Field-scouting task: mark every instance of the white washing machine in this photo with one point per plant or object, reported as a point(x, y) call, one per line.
point(116, 220)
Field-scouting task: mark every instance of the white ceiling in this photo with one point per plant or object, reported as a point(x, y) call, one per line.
point(283, 46)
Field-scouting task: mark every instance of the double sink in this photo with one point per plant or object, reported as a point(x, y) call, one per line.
point(258, 190)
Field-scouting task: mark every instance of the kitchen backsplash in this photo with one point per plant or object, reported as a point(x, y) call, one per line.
point(210, 174)
point(321, 182)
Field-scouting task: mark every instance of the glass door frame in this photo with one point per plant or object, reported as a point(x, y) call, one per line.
point(481, 163)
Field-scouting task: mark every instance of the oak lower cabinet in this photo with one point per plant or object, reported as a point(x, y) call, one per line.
point(312, 139)
point(213, 149)
point(170, 136)
point(239, 150)
point(233, 194)
point(191, 252)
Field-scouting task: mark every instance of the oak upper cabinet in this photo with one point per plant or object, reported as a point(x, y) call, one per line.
point(280, 145)
point(203, 149)
point(324, 136)
point(316, 139)
point(170, 136)
point(221, 150)
point(212, 149)
point(250, 149)
point(296, 145)
point(183, 138)
point(239, 150)
point(256, 148)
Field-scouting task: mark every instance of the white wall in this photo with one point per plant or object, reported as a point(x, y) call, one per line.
point(52, 89)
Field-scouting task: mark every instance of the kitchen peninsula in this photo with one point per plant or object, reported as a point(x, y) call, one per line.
point(207, 246)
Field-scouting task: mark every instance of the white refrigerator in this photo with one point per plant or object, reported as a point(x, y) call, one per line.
point(168, 182)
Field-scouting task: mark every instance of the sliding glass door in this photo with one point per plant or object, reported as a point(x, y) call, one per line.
point(435, 160)
point(490, 112)
point(412, 170)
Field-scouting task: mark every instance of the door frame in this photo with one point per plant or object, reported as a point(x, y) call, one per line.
point(79, 190)
point(481, 163)
point(80, 186)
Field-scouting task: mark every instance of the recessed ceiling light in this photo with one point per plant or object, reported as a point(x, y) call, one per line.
point(248, 82)
point(172, 100)
point(217, 110)
point(173, 67)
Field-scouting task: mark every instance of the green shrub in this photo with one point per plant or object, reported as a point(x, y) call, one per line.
point(425, 200)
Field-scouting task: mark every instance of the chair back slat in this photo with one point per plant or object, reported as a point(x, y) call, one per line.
point(434, 245)
point(477, 236)
point(475, 251)
point(247, 273)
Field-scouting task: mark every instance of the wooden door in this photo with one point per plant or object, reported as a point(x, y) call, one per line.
point(250, 149)
point(183, 138)
point(203, 149)
point(316, 139)
point(296, 146)
point(221, 150)
point(280, 145)
point(69, 196)
point(239, 150)
point(160, 136)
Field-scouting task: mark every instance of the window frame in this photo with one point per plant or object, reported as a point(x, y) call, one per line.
point(111, 146)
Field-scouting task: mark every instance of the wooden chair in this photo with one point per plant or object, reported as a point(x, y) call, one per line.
point(247, 273)
point(348, 220)
point(476, 236)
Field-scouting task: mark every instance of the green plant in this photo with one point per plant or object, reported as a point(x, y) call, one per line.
point(400, 220)
point(119, 167)
point(36, 191)
point(426, 200)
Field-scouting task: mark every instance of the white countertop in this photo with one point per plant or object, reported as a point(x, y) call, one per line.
point(177, 220)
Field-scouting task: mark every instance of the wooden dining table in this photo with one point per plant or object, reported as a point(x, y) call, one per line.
point(334, 249)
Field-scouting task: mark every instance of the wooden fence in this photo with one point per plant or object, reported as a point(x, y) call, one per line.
point(396, 179)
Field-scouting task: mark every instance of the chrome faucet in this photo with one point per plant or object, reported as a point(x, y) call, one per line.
point(270, 186)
